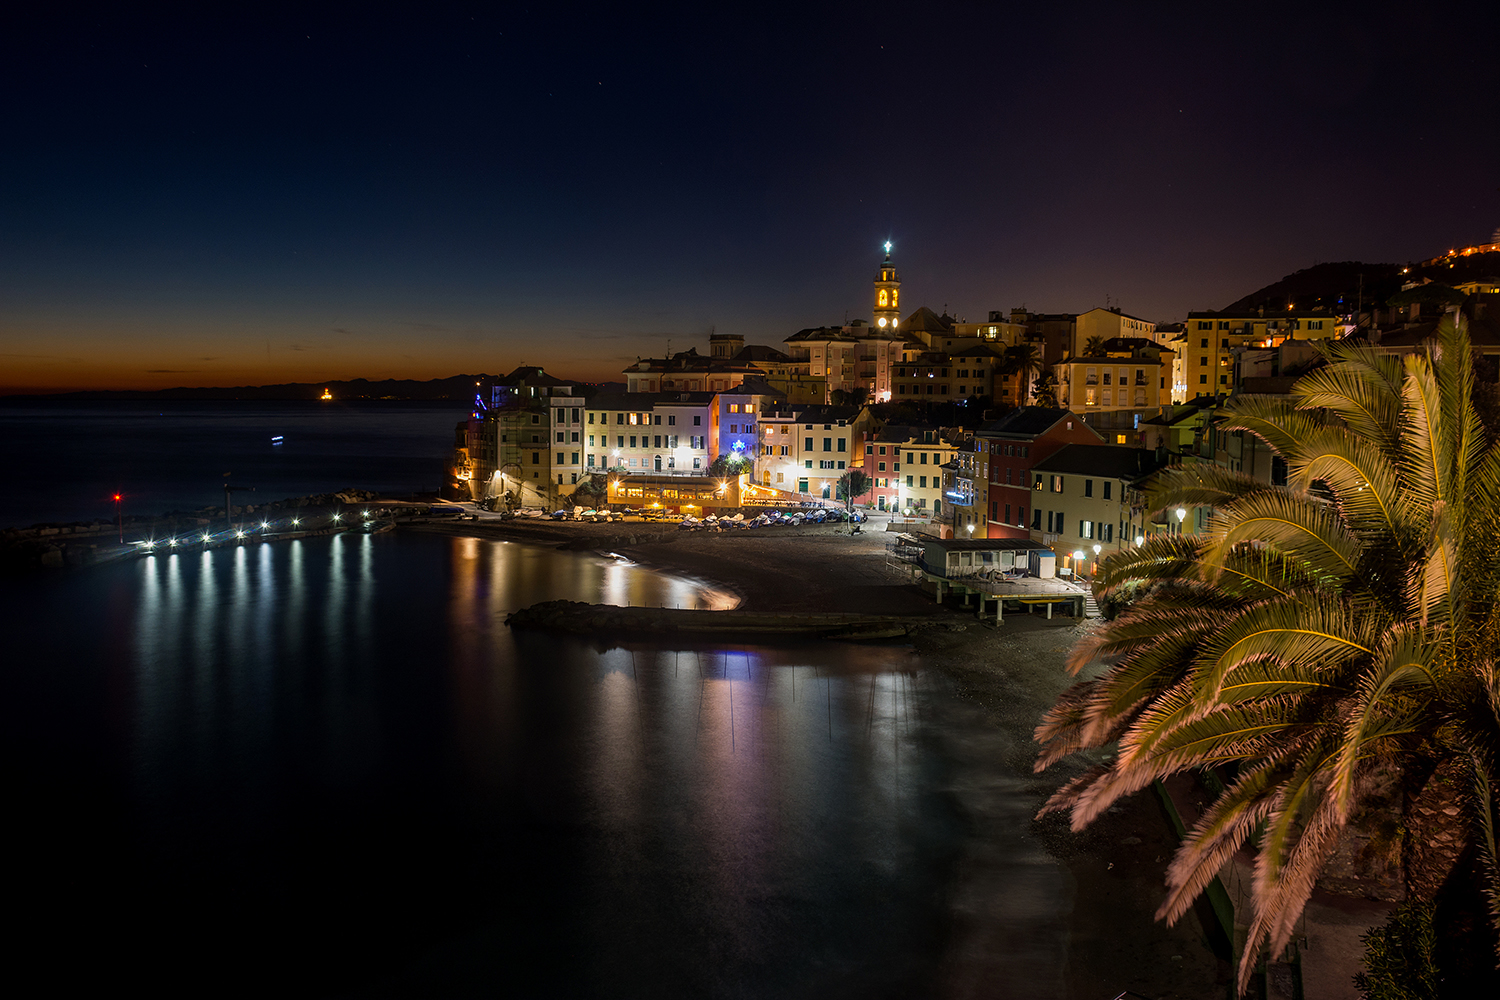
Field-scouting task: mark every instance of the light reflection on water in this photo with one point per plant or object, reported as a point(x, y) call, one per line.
point(340, 758)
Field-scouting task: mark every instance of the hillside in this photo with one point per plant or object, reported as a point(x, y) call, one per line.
point(1336, 286)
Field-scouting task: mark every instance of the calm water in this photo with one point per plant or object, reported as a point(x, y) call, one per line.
point(325, 767)
point(65, 459)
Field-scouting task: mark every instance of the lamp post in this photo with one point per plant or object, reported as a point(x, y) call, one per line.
point(119, 519)
point(1097, 550)
point(1181, 516)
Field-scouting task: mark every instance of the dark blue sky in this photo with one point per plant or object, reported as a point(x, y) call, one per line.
point(231, 198)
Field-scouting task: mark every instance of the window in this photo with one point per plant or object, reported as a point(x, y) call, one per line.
point(575, 437)
point(1088, 487)
point(1007, 512)
point(1204, 343)
point(841, 444)
point(591, 418)
point(1057, 484)
point(1107, 485)
point(1038, 481)
point(828, 444)
point(619, 418)
point(591, 461)
point(697, 421)
point(559, 458)
point(620, 441)
point(880, 467)
point(734, 407)
point(807, 464)
point(1202, 379)
point(672, 420)
point(923, 482)
point(1202, 325)
point(561, 437)
point(657, 439)
point(909, 481)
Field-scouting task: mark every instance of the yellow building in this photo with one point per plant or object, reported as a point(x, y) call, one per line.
point(1114, 391)
point(1212, 340)
point(1107, 324)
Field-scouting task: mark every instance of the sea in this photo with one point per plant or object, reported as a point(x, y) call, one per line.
point(65, 460)
point(327, 767)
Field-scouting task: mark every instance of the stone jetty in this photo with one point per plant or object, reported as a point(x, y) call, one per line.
point(598, 619)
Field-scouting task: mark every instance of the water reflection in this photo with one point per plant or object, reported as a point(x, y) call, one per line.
point(340, 757)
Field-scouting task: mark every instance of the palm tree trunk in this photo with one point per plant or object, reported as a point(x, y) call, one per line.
point(1437, 828)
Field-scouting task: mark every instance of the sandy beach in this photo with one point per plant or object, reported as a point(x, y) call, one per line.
point(1114, 870)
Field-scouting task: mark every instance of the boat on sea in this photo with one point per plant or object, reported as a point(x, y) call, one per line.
point(326, 395)
point(275, 440)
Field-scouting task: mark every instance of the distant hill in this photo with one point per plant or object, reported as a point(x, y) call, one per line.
point(1336, 286)
point(454, 387)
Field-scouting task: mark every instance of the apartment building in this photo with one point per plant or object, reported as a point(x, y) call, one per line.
point(806, 449)
point(636, 432)
point(1109, 324)
point(1013, 444)
point(1086, 503)
point(948, 376)
point(1213, 341)
point(1126, 382)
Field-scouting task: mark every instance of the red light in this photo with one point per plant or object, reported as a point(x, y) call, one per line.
point(117, 496)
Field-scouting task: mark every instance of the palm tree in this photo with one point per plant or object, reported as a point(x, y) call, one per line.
point(1347, 618)
point(1094, 347)
point(1026, 361)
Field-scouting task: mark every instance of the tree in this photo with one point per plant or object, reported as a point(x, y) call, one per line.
point(851, 486)
point(593, 491)
point(729, 464)
point(1026, 361)
point(1046, 391)
point(1094, 347)
point(855, 396)
point(1317, 629)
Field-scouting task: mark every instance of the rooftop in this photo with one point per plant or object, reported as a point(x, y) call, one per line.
point(1106, 461)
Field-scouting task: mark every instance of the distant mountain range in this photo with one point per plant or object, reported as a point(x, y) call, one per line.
point(454, 387)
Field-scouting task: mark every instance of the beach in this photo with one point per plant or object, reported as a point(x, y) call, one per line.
point(1114, 870)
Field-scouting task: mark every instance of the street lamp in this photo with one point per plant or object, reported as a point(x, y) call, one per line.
point(1181, 516)
point(120, 519)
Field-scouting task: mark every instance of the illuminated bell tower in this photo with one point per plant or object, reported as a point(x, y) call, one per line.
point(887, 294)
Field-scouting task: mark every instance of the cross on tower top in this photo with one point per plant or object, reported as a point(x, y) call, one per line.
point(887, 247)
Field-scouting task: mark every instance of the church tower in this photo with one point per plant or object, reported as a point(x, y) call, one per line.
point(887, 294)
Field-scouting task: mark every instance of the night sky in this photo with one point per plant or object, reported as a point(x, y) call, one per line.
point(222, 199)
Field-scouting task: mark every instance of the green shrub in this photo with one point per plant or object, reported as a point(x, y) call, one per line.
point(1398, 962)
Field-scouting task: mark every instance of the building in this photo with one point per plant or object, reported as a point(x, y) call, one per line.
point(1052, 334)
point(966, 492)
point(948, 376)
point(1014, 443)
point(805, 449)
point(509, 437)
point(917, 456)
point(1126, 381)
point(1213, 341)
point(1086, 502)
point(639, 432)
point(1109, 324)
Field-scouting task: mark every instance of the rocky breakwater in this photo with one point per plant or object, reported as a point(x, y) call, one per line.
point(606, 619)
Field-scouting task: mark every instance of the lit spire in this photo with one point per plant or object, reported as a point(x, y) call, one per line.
point(887, 248)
